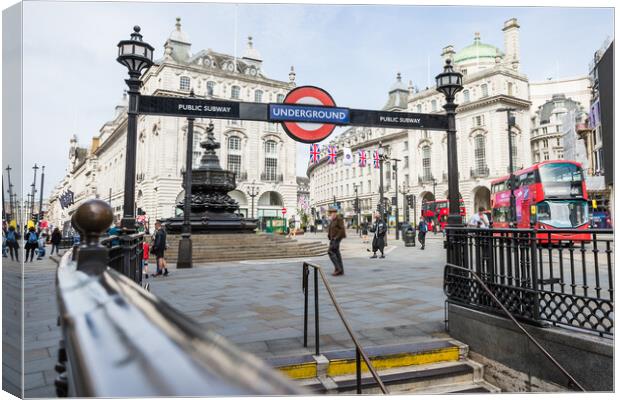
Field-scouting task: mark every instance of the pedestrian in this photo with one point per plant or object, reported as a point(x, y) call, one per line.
point(422, 229)
point(479, 220)
point(378, 241)
point(41, 248)
point(115, 230)
point(11, 241)
point(5, 248)
point(365, 232)
point(56, 239)
point(335, 233)
point(32, 243)
point(145, 257)
point(159, 247)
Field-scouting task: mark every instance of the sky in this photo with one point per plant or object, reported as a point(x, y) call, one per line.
point(72, 80)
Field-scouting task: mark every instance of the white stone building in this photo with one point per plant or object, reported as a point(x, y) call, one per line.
point(258, 152)
point(491, 81)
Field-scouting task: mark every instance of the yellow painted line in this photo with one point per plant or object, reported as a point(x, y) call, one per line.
point(299, 371)
point(347, 367)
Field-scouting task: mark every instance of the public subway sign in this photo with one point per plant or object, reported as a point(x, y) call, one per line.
point(308, 114)
point(188, 107)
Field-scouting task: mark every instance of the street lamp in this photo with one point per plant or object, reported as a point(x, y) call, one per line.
point(184, 259)
point(253, 192)
point(357, 209)
point(136, 55)
point(383, 156)
point(449, 83)
point(513, 202)
point(395, 169)
point(403, 190)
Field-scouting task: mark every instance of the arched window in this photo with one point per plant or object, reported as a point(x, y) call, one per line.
point(485, 89)
point(235, 91)
point(234, 155)
point(426, 163)
point(479, 154)
point(271, 161)
point(210, 88)
point(184, 83)
point(258, 96)
point(465, 96)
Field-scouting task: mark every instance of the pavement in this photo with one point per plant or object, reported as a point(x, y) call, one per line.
point(258, 305)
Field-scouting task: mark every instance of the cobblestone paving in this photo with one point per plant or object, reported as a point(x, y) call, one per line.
point(11, 327)
point(259, 304)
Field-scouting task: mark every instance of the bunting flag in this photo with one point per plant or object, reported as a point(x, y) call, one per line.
point(375, 159)
point(348, 157)
point(361, 159)
point(315, 153)
point(331, 154)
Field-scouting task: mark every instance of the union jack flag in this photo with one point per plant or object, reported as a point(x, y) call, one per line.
point(315, 153)
point(362, 158)
point(375, 158)
point(331, 153)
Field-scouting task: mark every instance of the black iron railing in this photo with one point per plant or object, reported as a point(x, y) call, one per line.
point(479, 172)
point(125, 255)
point(359, 352)
point(271, 177)
point(118, 340)
point(562, 277)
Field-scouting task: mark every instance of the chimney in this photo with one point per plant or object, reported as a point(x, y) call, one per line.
point(511, 43)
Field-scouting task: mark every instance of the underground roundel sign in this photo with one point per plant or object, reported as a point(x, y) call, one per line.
point(308, 114)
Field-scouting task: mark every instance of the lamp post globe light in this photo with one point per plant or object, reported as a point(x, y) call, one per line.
point(136, 55)
point(449, 83)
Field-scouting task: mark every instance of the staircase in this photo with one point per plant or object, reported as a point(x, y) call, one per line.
point(250, 246)
point(430, 367)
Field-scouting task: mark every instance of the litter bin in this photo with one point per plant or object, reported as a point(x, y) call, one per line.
point(409, 237)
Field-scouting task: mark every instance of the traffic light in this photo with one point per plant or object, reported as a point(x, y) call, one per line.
point(410, 200)
point(394, 200)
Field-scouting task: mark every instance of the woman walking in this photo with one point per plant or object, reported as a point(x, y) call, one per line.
point(56, 239)
point(32, 243)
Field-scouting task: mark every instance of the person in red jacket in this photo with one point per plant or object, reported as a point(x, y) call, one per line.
point(145, 258)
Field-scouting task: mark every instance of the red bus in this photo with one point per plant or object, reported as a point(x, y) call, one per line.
point(438, 211)
point(548, 195)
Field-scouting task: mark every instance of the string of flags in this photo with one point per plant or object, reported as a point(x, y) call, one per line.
point(348, 157)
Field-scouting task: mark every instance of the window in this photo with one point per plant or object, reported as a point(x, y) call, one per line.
point(480, 153)
point(234, 163)
point(509, 88)
point(485, 89)
point(210, 88)
point(280, 98)
point(465, 96)
point(426, 163)
point(405, 145)
point(235, 91)
point(271, 160)
point(184, 83)
point(464, 72)
point(560, 155)
point(434, 105)
point(258, 96)
point(545, 155)
point(419, 108)
point(406, 162)
point(544, 130)
point(478, 120)
point(234, 143)
point(545, 143)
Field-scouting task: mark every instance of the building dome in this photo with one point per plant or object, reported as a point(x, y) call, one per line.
point(477, 51)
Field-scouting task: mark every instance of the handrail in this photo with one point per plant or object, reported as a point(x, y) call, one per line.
point(106, 319)
point(519, 326)
point(359, 351)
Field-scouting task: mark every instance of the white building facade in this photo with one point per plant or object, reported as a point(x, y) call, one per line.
point(491, 81)
point(259, 152)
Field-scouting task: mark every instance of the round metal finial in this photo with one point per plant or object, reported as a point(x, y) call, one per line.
point(92, 218)
point(448, 61)
point(136, 28)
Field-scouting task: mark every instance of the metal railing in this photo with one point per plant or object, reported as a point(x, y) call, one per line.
point(562, 277)
point(359, 352)
point(572, 380)
point(269, 177)
point(118, 340)
point(125, 254)
point(479, 172)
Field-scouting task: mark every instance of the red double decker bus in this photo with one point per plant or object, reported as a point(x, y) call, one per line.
point(438, 211)
point(548, 195)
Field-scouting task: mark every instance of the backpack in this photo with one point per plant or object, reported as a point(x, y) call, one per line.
point(423, 226)
point(33, 239)
point(10, 236)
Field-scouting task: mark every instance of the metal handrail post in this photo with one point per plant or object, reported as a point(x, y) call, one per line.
point(305, 290)
point(520, 327)
point(316, 313)
point(358, 370)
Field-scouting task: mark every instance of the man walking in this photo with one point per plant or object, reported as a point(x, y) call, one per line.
point(159, 247)
point(422, 229)
point(378, 240)
point(335, 233)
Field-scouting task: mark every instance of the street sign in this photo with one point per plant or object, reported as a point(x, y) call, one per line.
point(188, 107)
point(283, 210)
point(403, 120)
point(318, 123)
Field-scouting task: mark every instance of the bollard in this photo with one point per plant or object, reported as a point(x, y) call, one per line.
point(92, 218)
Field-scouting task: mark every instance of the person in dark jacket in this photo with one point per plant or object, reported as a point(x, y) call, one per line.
point(56, 239)
point(378, 241)
point(422, 229)
point(32, 243)
point(12, 236)
point(158, 248)
point(335, 233)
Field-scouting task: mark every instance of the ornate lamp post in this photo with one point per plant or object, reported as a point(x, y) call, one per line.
point(136, 55)
point(252, 192)
point(185, 244)
point(356, 208)
point(395, 169)
point(34, 192)
point(513, 202)
point(383, 156)
point(40, 216)
point(449, 83)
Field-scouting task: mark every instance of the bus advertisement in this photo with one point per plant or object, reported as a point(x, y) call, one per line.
point(549, 195)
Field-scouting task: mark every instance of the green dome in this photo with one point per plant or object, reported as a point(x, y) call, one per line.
point(477, 50)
